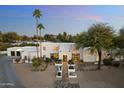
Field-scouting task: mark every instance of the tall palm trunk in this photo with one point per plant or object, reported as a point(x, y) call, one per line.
point(40, 45)
point(100, 58)
point(37, 36)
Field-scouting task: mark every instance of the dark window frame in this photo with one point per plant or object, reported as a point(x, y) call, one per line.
point(18, 53)
point(12, 53)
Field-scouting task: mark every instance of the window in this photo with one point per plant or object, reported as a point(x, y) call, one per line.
point(76, 57)
point(12, 53)
point(18, 53)
point(54, 55)
point(56, 48)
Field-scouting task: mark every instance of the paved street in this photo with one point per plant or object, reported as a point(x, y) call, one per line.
point(8, 77)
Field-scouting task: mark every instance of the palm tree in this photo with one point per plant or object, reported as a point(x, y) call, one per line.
point(37, 14)
point(98, 38)
point(40, 27)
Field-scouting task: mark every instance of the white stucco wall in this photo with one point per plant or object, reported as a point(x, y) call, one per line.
point(13, 49)
point(88, 56)
point(30, 52)
point(49, 48)
point(66, 49)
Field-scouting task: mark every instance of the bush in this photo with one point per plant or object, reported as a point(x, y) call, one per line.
point(36, 62)
point(107, 62)
point(116, 64)
point(17, 60)
point(47, 60)
point(81, 61)
point(55, 59)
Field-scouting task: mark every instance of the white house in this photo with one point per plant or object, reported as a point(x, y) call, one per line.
point(67, 51)
point(63, 51)
point(26, 53)
point(14, 51)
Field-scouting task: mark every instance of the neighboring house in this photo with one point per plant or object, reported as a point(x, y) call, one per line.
point(14, 51)
point(26, 53)
point(63, 51)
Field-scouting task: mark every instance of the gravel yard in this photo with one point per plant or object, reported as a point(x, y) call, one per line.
point(105, 78)
point(32, 79)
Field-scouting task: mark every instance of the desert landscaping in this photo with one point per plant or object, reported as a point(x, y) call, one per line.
point(106, 77)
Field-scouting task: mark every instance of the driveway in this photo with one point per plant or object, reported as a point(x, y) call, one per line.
point(8, 77)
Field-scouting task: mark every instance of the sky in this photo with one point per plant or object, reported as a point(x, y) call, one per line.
point(56, 19)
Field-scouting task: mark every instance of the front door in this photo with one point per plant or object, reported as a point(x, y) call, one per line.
point(64, 58)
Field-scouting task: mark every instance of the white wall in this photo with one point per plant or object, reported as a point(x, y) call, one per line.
point(30, 52)
point(88, 56)
point(49, 48)
point(13, 49)
point(30, 55)
point(66, 49)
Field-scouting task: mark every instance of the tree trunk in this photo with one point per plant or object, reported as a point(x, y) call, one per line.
point(40, 46)
point(99, 62)
point(37, 37)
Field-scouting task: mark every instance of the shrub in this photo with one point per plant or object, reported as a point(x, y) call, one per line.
point(81, 61)
point(36, 62)
point(107, 62)
point(55, 59)
point(47, 60)
point(116, 64)
point(17, 59)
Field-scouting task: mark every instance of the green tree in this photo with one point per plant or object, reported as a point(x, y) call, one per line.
point(118, 44)
point(1, 38)
point(37, 14)
point(10, 37)
point(98, 38)
point(40, 27)
point(59, 37)
point(50, 37)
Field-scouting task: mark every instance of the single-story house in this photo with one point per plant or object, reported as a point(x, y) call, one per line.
point(26, 53)
point(63, 51)
point(14, 51)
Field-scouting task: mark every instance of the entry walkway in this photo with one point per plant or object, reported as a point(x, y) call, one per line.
point(65, 71)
